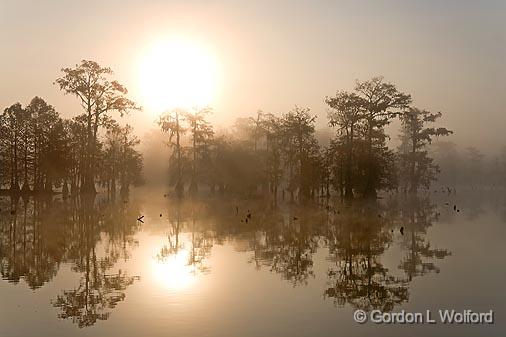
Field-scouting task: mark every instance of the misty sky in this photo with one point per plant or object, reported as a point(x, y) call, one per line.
point(450, 55)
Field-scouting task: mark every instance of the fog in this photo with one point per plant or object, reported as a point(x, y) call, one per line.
point(449, 56)
point(252, 168)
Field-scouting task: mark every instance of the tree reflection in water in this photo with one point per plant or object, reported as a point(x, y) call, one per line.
point(284, 240)
point(357, 238)
point(30, 245)
point(286, 243)
point(187, 216)
point(89, 233)
point(417, 215)
point(92, 235)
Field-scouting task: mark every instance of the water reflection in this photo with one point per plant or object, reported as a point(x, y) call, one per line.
point(357, 238)
point(172, 266)
point(90, 234)
point(285, 241)
point(286, 244)
point(417, 215)
point(182, 258)
point(93, 236)
point(95, 296)
point(29, 244)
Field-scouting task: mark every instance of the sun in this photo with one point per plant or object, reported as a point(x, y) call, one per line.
point(178, 73)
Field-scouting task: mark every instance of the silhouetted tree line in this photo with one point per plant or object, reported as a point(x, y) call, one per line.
point(281, 156)
point(40, 150)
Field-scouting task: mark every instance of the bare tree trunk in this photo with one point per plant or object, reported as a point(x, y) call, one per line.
point(26, 186)
point(193, 183)
point(412, 177)
point(15, 179)
point(179, 183)
point(348, 190)
point(370, 188)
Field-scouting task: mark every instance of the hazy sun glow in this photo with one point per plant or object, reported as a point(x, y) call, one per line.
point(173, 271)
point(178, 73)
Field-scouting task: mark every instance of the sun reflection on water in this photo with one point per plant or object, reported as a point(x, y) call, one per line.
point(173, 271)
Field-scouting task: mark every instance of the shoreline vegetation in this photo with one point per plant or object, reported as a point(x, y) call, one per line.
point(275, 156)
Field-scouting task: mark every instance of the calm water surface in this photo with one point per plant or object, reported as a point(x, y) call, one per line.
point(204, 268)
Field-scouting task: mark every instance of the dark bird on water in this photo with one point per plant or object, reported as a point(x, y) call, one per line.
point(160, 215)
point(140, 218)
point(454, 207)
point(402, 230)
